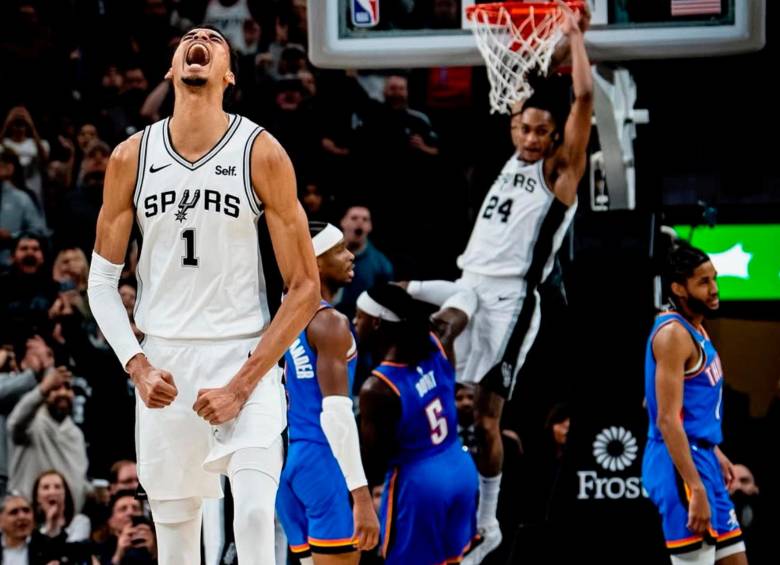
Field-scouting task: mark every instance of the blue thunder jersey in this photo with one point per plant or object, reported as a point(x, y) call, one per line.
point(428, 423)
point(702, 408)
point(305, 397)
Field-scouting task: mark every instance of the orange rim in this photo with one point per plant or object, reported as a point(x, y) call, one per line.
point(517, 10)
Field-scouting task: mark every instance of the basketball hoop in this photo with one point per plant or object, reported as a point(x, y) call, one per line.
point(514, 38)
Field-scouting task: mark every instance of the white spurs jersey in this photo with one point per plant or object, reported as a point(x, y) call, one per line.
point(200, 273)
point(520, 226)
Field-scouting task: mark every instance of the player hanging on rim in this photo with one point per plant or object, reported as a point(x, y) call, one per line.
point(409, 428)
point(323, 462)
point(518, 231)
point(200, 185)
point(685, 473)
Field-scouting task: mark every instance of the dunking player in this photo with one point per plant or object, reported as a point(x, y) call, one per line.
point(323, 463)
point(684, 471)
point(409, 421)
point(200, 185)
point(518, 231)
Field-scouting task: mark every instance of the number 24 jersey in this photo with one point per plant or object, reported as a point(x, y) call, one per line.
point(520, 225)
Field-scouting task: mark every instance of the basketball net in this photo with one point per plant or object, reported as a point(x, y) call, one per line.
point(515, 38)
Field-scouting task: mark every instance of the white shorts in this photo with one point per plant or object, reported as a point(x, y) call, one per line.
point(494, 345)
point(180, 455)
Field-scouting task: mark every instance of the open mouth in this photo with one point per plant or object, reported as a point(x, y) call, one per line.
point(197, 54)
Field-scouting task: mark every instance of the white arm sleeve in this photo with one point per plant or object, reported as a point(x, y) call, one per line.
point(107, 307)
point(338, 423)
point(445, 294)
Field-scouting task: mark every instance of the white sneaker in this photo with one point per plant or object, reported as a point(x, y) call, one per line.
point(491, 539)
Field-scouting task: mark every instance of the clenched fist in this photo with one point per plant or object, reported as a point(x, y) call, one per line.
point(155, 386)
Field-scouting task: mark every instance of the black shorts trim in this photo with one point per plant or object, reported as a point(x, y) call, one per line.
point(729, 542)
point(332, 550)
point(693, 546)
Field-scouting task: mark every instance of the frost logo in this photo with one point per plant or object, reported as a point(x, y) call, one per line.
point(615, 448)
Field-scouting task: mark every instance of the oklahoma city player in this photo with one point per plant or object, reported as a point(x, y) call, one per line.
point(323, 462)
point(200, 185)
point(683, 469)
point(409, 428)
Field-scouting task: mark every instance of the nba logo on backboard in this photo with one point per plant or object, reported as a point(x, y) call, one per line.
point(365, 13)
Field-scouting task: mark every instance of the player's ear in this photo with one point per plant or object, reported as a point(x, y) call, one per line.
point(678, 290)
point(169, 74)
point(230, 78)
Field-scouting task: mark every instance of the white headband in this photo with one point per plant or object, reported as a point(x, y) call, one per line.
point(375, 309)
point(326, 239)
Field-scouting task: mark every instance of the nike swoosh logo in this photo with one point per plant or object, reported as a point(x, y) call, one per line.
point(153, 170)
point(502, 298)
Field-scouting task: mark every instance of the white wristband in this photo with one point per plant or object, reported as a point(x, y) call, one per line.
point(338, 424)
point(445, 294)
point(465, 300)
point(107, 307)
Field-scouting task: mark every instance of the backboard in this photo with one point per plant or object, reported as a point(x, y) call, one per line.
point(423, 33)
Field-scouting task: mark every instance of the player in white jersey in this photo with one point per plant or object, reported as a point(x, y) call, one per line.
point(511, 251)
point(200, 186)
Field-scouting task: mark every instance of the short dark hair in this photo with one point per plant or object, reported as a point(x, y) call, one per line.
point(9, 496)
point(557, 414)
point(355, 204)
point(122, 463)
point(120, 494)
point(28, 235)
point(316, 227)
point(411, 334)
point(550, 94)
point(681, 261)
point(9, 157)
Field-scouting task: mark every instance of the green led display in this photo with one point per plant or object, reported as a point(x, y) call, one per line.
point(747, 257)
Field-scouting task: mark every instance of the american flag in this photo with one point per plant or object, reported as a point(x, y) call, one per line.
point(695, 7)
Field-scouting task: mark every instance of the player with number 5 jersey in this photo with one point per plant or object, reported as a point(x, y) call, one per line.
point(409, 429)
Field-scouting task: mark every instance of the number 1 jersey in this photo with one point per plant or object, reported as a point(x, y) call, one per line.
point(200, 272)
point(520, 226)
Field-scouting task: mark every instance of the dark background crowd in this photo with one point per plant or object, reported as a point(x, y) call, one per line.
point(400, 159)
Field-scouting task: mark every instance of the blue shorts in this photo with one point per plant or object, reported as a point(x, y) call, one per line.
point(669, 493)
point(429, 508)
point(313, 502)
